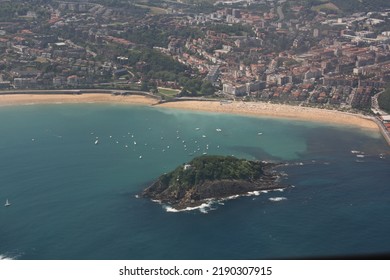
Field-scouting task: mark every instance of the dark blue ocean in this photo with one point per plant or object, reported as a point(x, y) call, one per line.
point(72, 199)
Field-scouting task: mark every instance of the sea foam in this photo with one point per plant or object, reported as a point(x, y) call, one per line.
point(256, 193)
point(203, 208)
point(279, 198)
point(5, 257)
point(207, 206)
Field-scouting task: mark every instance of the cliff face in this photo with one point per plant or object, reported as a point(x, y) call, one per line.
point(211, 177)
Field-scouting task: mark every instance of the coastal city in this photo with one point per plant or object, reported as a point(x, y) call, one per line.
point(304, 53)
point(214, 135)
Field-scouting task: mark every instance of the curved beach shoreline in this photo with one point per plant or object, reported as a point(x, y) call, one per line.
point(260, 109)
point(263, 109)
point(28, 99)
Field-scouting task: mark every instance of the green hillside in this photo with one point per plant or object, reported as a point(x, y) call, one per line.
point(210, 168)
point(348, 6)
point(361, 5)
point(384, 100)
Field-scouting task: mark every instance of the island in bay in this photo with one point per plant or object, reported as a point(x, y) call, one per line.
point(211, 177)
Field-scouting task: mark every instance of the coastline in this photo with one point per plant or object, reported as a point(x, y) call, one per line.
point(29, 99)
point(259, 109)
point(262, 109)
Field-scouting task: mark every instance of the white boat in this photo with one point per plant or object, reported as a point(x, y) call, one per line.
point(96, 142)
point(7, 203)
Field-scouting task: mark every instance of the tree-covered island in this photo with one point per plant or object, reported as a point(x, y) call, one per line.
point(212, 177)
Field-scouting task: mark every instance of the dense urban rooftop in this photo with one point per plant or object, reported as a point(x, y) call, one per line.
point(308, 53)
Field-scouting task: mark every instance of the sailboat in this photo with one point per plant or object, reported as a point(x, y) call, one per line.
point(7, 203)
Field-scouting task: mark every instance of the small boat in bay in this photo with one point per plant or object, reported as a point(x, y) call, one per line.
point(7, 203)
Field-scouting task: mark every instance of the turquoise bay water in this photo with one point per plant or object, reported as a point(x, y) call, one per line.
point(72, 199)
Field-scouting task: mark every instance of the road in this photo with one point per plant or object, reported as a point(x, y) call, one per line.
point(375, 106)
point(280, 13)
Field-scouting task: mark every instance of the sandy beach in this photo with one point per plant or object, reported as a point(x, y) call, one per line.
point(237, 107)
point(27, 99)
point(277, 111)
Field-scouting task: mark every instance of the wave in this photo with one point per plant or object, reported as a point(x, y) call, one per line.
point(279, 198)
point(292, 164)
point(5, 257)
point(208, 205)
point(170, 209)
point(231, 197)
point(203, 208)
point(256, 193)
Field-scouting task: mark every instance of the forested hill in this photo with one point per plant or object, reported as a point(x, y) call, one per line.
point(361, 5)
point(350, 6)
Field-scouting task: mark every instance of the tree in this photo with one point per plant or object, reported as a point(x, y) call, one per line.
point(207, 88)
point(144, 85)
point(384, 100)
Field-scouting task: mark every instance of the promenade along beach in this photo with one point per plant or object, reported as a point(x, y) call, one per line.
point(235, 107)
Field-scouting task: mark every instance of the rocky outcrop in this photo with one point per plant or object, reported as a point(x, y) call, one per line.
point(212, 177)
